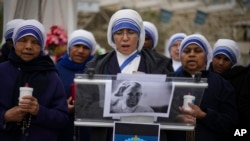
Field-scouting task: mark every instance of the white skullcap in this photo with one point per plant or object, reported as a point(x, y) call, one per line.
point(126, 18)
point(152, 32)
point(229, 48)
point(83, 37)
point(30, 27)
point(202, 42)
point(9, 28)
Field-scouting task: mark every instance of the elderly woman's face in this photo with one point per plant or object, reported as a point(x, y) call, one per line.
point(132, 96)
point(27, 48)
point(126, 41)
point(193, 58)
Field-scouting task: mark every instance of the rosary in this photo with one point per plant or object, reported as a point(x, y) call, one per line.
point(26, 123)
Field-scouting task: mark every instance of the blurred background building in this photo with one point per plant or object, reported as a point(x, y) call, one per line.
point(212, 18)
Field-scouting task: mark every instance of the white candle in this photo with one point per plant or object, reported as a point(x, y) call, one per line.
point(188, 99)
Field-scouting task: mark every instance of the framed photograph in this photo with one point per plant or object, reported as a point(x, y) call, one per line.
point(135, 96)
point(103, 99)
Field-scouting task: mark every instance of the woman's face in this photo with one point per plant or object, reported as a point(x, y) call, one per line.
point(28, 48)
point(126, 41)
point(193, 59)
point(148, 42)
point(221, 63)
point(174, 50)
point(79, 53)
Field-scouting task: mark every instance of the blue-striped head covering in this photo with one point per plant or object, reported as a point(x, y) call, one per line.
point(30, 27)
point(9, 28)
point(175, 37)
point(83, 37)
point(152, 32)
point(126, 18)
point(125, 23)
point(229, 48)
point(201, 41)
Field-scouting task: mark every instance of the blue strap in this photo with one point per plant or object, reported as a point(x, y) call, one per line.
point(128, 60)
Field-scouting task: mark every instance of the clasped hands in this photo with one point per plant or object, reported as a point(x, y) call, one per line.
point(28, 104)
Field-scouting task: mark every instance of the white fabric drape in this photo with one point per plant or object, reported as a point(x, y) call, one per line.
point(48, 12)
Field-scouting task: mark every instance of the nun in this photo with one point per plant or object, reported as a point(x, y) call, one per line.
point(151, 37)
point(216, 116)
point(81, 49)
point(226, 55)
point(126, 35)
point(38, 116)
point(226, 62)
point(172, 49)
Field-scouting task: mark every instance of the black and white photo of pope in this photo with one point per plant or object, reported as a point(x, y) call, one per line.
point(136, 97)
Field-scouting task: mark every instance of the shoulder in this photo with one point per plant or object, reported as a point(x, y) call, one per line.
point(102, 57)
point(217, 81)
point(214, 77)
point(58, 66)
point(239, 69)
point(157, 60)
point(99, 60)
point(6, 66)
point(154, 55)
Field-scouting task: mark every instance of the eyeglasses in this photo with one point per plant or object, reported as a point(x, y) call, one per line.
point(129, 33)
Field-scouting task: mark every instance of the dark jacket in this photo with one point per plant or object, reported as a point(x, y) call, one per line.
point(239, 77)
point(151, 63)
point(218, 102)
point(41, 75)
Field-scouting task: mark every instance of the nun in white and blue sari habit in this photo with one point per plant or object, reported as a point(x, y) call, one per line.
point(216, 116)
point(120, 61)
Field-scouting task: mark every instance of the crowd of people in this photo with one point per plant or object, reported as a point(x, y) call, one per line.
point(49, 113)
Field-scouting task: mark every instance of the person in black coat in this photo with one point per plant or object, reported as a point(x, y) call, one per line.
point(216, 115)
point(226, 62)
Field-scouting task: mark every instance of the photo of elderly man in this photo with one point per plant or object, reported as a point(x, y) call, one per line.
point(127, 97)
